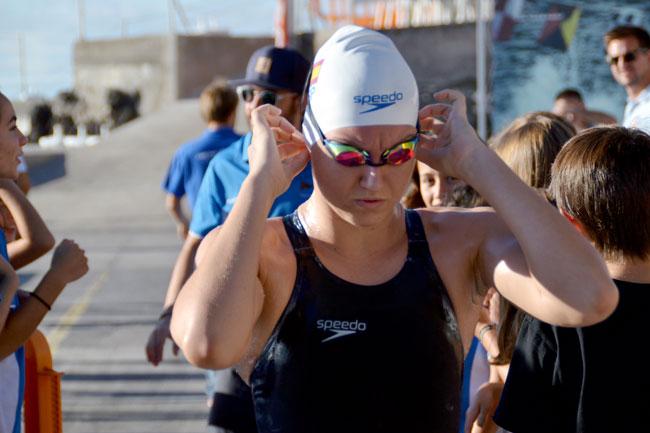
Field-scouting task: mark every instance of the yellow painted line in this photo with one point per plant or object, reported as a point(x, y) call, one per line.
point(71, 317)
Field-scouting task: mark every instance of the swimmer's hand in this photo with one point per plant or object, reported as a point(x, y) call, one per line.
point(448, 139)
point(278, 151)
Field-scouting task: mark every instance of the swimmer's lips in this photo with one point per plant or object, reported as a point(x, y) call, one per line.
point(369, 203)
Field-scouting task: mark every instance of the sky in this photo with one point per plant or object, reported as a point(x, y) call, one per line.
point(49, 29)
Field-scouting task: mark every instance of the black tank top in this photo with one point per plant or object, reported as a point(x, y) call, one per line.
point(350, 358)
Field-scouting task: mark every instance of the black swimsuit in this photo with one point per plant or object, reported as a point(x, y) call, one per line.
point(351, 358)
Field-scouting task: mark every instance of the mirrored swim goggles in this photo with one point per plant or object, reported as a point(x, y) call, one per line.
point(351, 156)
point(247, 94)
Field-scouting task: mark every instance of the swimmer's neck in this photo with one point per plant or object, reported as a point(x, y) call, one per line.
point(328, 228)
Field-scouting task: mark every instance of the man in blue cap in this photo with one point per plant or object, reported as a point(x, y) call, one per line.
point(273, 76)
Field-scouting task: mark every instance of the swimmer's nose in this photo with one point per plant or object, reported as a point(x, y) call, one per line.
point(371, 178)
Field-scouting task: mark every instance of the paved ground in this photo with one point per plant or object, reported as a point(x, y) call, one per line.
point(110, 202)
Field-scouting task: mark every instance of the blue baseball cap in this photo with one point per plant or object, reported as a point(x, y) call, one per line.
point(276, 69)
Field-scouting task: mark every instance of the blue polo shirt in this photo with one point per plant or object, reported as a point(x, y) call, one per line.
point(191, 160)
point(221, 184)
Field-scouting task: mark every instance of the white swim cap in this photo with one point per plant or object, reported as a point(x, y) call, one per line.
point(359, 78)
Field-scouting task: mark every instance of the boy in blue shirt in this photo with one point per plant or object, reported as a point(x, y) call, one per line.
point(218, 103)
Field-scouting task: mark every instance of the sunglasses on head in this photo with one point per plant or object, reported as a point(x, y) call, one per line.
point(351, 156)
point(247, 93)
point(627, 57)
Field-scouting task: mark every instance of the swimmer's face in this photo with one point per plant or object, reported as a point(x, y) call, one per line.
point(435, 186)
point(11, 141)
point(362, 194)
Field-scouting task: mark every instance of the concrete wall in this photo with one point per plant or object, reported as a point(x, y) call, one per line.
point(161, 68)
point(146, 64)
point(203, 58)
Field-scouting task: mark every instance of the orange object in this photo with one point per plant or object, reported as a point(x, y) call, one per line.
point(282, 24)
point(42, 388)
point(386, 14)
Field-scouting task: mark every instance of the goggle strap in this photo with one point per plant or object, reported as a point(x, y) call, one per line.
point(309, 127)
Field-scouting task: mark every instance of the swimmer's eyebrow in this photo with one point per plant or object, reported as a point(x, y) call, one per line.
point(12, 120)
point(353, 142)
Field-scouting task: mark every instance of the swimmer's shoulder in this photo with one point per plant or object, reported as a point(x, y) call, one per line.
point(277, 258)
point(275, 241)
point(275, 237)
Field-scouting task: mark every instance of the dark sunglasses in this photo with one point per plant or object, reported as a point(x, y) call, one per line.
point(351, 156)
point(627, 57)
point(247, 93)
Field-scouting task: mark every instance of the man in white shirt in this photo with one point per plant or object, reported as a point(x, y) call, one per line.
point(628, 55)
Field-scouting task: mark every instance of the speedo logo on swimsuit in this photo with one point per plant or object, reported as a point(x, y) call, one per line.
point(340, 328)
point(378, 101)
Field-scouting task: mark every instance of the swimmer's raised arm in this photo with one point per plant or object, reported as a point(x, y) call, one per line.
point(549, 269)
point(218, 307)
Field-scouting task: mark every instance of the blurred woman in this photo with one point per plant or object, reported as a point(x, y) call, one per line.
point(429, 188)
point(528, 146)
point(21, 312)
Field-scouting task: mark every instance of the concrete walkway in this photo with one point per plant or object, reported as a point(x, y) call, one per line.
point(111, 203)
